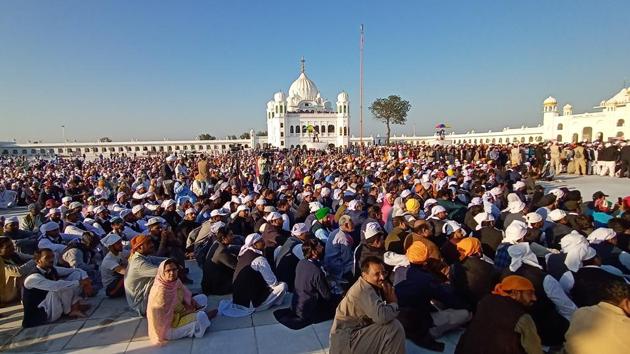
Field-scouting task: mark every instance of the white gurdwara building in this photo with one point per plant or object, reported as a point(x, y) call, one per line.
point(303, 118)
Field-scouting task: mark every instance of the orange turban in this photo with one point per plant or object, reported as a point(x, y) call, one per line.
point(138, 241)
point(512, 283)
point(417, 253)
point(468, 246)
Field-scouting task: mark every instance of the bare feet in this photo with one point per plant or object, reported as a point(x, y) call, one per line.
point(212, 313)
point(84, 307)
point(76, 314)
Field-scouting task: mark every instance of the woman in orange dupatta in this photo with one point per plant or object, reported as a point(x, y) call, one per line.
point(172, 311)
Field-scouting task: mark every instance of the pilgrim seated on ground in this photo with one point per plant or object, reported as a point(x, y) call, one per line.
point(50, 292)
point(219, 264)
point(141, 271)
point(25, 241)
point(15, 267)
point(256, 287)
point(114, 266)
point(172, 311)
point(312, 300)
point(84, 254)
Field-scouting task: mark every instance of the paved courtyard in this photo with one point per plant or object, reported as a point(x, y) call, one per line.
point(112, 328)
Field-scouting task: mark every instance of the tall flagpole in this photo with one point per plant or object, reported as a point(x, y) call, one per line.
point(361, 84)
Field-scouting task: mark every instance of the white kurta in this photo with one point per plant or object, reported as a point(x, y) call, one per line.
point(62, 294)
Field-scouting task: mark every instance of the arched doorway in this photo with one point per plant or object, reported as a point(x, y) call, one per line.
point(587, 134)
point(574, 138)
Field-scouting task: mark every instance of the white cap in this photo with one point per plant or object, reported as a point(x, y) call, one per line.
point(557, 214)
point(450, 227)
point(110, 239)
point(314, 206)
point(299, 229)
point(353, 205)
point(481, 217)
point(496, 191)
point(241, 208)
point(515, 232)
point(75, 205)
point(120, 194)
point(404, 194)
point(306, 193)
point(518, 185)
point(137, 208)
point(437, 209)
point(167, 203)
point(247, 199)
point(325, 192)
point(99, 209)
point(66, 199)
point(557, 192)
point(124, 213)
point(533, 218)
point(261, 201)
point(273, 216)
point(191, 211)
point(155, 220)
point(428, 202)
point(49, 226)
point(372, 229)
point(170, 158)
point(11, 219)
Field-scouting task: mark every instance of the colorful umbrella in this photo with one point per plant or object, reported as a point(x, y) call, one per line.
point(442, 125)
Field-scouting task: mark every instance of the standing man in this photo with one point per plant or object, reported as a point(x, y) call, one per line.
point(579, 162)
point(624, 156)
point(554, 152)
point(365, 320)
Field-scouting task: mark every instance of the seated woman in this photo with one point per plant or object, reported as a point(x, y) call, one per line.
point(256, 287)
point(219, 265)
point(15, 267)
point(172, 311)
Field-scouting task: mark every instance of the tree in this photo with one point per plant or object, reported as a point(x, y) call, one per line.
point(231, 137)
point(206, 136)
point(261, 133)
point(105, 140)
point(245, 136)
point(390, 110)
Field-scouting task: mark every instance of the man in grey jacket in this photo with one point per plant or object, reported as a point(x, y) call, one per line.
point(140, 273)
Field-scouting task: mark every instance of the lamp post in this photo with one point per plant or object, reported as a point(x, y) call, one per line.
point(63, 133)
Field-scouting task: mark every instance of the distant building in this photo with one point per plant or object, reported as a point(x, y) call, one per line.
point(305, 119)
point(304, 116)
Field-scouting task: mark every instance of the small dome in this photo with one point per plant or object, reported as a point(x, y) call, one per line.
point(550, 101)
point(279, 96)
point(567, 106)
point(270, 105)
point(342, 97)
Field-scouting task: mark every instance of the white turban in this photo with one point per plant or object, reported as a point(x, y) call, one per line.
point(299, 229)
point(450, 227)
point(576, 247)
point(475, 201)
point(481, 217)
point(49, 226)
point(249, 244)
point(110, 239)
point(533, 218)
point(522, 253)
point(600, 235)
point(515, 232)
point(516, 207)
point(557, 215)
point(436, 210)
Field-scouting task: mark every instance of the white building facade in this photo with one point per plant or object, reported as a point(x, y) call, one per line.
point(302, 118)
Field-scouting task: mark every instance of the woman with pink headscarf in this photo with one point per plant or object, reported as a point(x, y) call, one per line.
point(172, 311)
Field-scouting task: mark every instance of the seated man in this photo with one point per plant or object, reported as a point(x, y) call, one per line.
point(372, 246)
point(603, 327)
point(338, 258)
point(256, 288)
point(83, 254)
point(50, 291)
point(501, 324)
point(312, 300)
point(365, 320)
point(417, 286)
point(51, 238)
point(290, 254)
point(219, 263)
point(16, 266)
point(25, 241)
point(114, 266)
point(140, 273)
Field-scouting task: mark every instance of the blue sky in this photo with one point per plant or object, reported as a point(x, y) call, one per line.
point(174, 69)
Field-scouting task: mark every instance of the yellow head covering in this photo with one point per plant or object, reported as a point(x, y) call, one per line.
point(513, 283)
point(468, 246)
point(417, 253)
point(412, 206)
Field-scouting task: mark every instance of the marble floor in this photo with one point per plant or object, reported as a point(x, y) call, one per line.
point(112, 328)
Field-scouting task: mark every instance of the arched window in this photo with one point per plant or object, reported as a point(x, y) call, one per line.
point(297, 129)
point(574, 138)
point(559, 126)
point(620, 134)
point(345, 130)
point(323, 129)
point(331, 129)
point(620, 123)
point(500, 140)
point(291, 129)
point(531, 139)
point(559, 138)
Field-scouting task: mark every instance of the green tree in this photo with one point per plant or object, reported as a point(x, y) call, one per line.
point(231, 137)
point(105, 140)
point(261, 133)
point(390, 110)
point(206, 136)
point(245, 136)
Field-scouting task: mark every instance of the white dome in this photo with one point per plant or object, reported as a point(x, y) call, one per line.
point(342, 97)
point(567, 106)
point(304, 88)
point(279, 96)
point(550, 100)
point(270, 105)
